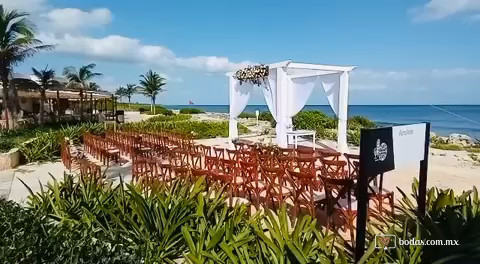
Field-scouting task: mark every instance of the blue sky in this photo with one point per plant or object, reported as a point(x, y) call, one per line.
point(407, 52)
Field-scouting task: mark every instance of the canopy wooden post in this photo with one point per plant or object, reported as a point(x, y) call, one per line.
point(95, 106)
point(81, 105)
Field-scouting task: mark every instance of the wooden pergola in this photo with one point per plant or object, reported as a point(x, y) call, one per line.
point(97, 100)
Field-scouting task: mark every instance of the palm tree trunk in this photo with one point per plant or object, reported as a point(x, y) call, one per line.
point(153, 102)
point(5, 101)
point(81, 105)
point(42, 105)
point(129, 103)
point(15, 105)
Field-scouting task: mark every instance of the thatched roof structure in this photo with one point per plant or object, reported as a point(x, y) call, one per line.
point(30, 89)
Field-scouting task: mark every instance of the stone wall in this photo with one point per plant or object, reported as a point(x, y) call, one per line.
point(10, 159)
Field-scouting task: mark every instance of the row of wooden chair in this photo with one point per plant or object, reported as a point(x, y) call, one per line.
point(101, 148)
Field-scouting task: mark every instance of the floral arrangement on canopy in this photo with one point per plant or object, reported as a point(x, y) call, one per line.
point(256, 75)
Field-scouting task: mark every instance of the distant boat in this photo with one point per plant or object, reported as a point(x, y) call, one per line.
point(190, 103)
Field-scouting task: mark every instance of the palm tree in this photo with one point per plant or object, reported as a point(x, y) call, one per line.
point(80, 80)
point(150, 85)
point(129, 91)
point(93, 86)
point(120, 92)
point(17, 42)
point(45, 77)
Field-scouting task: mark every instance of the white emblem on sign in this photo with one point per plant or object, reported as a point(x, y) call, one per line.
point(380, 152)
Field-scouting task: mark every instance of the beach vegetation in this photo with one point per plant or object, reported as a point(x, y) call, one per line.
point(18, 42)
point(447, 146)
point(191, 111)
point(246, 115)
point(151, 84)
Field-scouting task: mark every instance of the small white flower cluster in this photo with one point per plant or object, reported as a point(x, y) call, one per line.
point(255, 74)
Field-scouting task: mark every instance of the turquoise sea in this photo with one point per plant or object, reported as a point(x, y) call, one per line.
point(445, 119)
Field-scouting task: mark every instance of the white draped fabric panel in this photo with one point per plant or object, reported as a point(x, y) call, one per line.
point(239, 96)
point(270, 92)
point(298, 92)
point(331, 86)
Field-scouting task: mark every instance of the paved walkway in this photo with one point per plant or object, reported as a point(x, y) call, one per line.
point(36, 174)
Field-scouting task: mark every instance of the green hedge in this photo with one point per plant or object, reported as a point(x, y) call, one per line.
point(145, 108)
point(191, 111)
point(160, 118)
point(326, 126)
point(198, 129)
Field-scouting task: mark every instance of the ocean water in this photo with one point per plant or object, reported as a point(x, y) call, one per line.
point(444, 119)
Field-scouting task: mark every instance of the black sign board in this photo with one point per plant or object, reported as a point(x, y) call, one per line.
point(377, 151)
point(377, 155)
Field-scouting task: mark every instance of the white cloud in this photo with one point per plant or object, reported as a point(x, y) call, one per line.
point(119, 48)
point(63, 27)
point(25, 5)
point(71, 19)
point(171, 79)
point(455, 72)
point(438, 9)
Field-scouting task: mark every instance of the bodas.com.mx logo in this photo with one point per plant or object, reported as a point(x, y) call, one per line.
point(385, 241)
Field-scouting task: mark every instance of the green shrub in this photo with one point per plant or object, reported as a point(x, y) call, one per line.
point(448, 217)
point(326, 126)
point(29, 237)
point(184, 220)
point(198, 129)
point(6, 145)
point(191, 111)
point(247, 115)
point(313, 120)
point(160, 118)
point(359, 122)
point(353, 137)
point(45, 145)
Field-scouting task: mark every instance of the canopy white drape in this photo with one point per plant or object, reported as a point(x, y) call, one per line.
point(270, 93)
point(287, 92)
point(239, 96)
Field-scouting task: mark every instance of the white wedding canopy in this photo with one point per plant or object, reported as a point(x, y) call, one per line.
point(288, 88)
